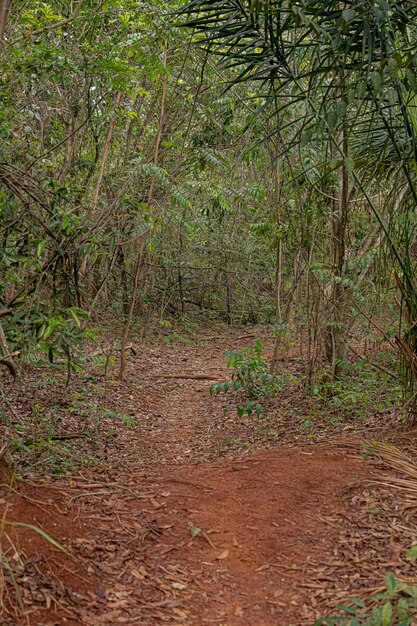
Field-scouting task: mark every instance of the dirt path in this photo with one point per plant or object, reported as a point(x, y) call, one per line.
point(171, 532)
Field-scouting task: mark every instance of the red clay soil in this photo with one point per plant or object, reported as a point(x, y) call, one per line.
point(167, 531)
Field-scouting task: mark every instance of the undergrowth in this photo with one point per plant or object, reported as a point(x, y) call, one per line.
point(250, 383)
point(397, 606)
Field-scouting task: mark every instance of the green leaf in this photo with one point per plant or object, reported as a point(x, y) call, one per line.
point(390, 582)
point(376, 616)
point(348, 15)
point(403, 610)
point(49, 329)
point(386, 614)
point(307, 137)
point(40, 248)
point(412, 553)
point(4, 418)
point(410, 590)
point(75, 317)
point(332, 119)
point(249, 407)
point(258, 409)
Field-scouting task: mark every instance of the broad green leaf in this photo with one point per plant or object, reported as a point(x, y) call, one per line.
point(390, 582)
point(386, 614)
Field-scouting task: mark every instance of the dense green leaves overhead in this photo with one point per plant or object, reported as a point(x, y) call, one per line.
point(333, 55)
point(272, 38)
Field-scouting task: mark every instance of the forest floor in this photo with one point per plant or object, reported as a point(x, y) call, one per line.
point(188, 520)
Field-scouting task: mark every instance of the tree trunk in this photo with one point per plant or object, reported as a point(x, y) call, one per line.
point(335, 340)
point(6, 359)
point(4, 10)
point(278, 313)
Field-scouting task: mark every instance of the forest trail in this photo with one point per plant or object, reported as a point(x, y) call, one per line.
point(172, 530)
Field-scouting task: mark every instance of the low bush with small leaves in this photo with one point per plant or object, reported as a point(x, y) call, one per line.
point(397, 606)
point(250, 382)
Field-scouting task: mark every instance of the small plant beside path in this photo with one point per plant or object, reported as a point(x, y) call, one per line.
point(251, 382)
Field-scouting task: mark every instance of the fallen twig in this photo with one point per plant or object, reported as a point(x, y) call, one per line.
point(212, 337)
point(189, 376)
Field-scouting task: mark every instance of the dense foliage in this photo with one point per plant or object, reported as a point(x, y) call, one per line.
point(142, 179)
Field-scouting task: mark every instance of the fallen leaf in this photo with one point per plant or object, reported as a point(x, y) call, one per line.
point(179, 586)
point(223, 555)
point(140, 575)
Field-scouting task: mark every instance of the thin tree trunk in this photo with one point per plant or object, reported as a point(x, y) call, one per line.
point(4, 10)
point(335, 335)
point(138, 268)
point(6, 359)
point(103, 163)
point(278, 312)
point(140, 255)
point(179, 269)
